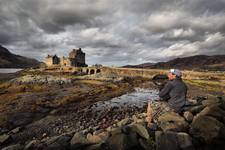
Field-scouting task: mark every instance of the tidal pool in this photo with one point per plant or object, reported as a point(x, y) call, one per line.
point(138, 98)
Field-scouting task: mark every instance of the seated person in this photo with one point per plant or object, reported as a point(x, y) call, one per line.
point(172, 97)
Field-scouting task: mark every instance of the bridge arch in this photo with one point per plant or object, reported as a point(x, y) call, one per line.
point(98, 70)
point(92, 71)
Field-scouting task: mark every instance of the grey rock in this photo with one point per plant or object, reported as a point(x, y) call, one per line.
point(16, 130)
point(123, 122)
point(172, 121)
point(94, 138)
point(196, 109)
point(185, 141)
point(210, 102)
point(140, 130)
point(173, 141)
point(4, 138)
point(14, 147)
point(99, 146)
point(79, 141)
point(30, 145)
point(121, 142)
point(166, 140)
point(147, 144)
point(213, 111)
point(188, 116)
point(115, 131)
point(206, 128)
point(61, 142)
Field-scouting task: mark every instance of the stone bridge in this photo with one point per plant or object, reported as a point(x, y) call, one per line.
point(90, 70)
point(132, 72)
point(120, 71)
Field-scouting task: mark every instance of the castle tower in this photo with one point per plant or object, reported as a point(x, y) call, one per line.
point(52, 60)
point(77, 58)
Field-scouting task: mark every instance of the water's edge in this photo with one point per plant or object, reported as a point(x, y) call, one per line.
point(138, 98)
point(10, 70)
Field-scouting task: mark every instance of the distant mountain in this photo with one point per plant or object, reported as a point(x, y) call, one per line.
point(198, 62)
point(145, 65)
point(9, 60)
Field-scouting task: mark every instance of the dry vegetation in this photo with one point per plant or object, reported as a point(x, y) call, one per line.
point(207, 85)
point(16, 98)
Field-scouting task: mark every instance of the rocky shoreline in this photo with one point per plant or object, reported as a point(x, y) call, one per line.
point(202, 127)
point(58, 112)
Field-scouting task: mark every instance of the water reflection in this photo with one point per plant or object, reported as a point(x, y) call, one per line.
point(9, 70)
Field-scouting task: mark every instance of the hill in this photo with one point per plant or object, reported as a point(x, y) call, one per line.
point(9, 60)
point(198, 62)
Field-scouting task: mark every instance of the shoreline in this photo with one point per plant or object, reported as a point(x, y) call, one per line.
point(40, 107)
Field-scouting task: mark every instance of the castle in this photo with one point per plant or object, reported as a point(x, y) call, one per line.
point(76, 59)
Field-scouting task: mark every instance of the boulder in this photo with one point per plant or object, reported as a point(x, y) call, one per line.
point(4, 138)
point(104, 135)
point(61, 142)
point(140, 130)
point(173, 141)
point(100, 138)
point(222, 104)
point(115, 131)
point(147, 144)
point(99, 146)
point(30, 145)
point(93, 138)
point(123, 122)
point(206, 128)
point(213, 111)
point(79, 141)
point(188, 116)
point(14, 147)
point(16, 130)
point(172, 121)
point(139, 119)
point(185, 141)
point(122, 141)
point(210, 102)
point(196, 109)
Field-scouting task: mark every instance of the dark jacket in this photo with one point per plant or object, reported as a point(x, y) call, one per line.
point(174, 92)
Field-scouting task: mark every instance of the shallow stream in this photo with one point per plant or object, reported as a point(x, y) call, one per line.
point(138, 98)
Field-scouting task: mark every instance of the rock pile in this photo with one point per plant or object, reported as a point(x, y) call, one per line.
point(202, 127)
point(41, 79)
point(113, 77)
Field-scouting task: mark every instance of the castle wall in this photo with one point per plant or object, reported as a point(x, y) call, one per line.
point(76, 59)
point(65, 62)
point(49, 61)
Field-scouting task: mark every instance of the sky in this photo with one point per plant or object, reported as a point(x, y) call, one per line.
point(114, 32)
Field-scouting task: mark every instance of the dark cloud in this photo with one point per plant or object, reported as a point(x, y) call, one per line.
point(114, 32)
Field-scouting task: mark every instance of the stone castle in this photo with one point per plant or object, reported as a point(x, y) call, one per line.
point(76, 59)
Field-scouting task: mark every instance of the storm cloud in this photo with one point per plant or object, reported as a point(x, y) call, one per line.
point(114, 32)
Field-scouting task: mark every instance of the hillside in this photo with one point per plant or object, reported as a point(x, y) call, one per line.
point(9, 60)
point(198, 62)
